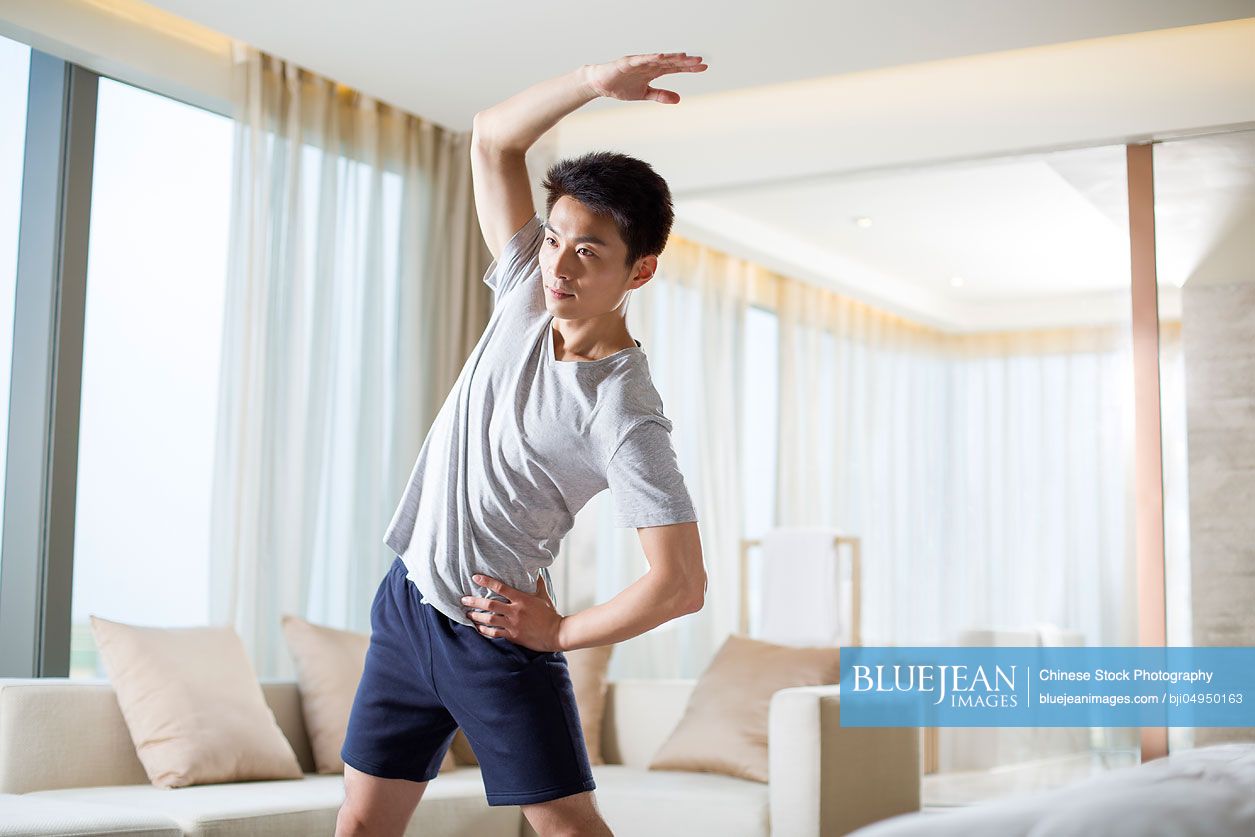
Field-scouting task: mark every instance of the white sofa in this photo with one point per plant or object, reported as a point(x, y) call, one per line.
point(67, 766)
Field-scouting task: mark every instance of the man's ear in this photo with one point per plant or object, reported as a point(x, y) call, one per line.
point(646, 267)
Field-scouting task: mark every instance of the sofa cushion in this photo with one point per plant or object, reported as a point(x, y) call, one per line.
point(329, 664)
point(453, 804)
point(193, 705)
point(588, 667)
point(22, 815)
point(76, 728)
point(637, 802)
point(724, 726)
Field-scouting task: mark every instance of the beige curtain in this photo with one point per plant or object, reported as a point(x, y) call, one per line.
point(354, 295)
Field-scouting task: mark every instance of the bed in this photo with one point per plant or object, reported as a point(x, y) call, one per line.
point(1203, 792)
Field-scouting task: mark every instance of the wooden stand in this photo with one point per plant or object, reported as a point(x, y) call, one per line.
point(856, 581)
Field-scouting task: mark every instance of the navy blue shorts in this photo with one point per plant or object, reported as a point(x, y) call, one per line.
point(426, 675)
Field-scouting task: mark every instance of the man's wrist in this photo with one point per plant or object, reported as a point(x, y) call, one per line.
point(584, 76)
point(560, 636)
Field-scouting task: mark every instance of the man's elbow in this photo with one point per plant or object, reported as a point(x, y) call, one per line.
point(480, 131)
point(487, 138)
point(696, 598)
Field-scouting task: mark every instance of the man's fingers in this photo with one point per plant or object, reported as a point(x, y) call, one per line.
point(496, 585)
point(486, 618)
point(668, 97)
point(482, 603)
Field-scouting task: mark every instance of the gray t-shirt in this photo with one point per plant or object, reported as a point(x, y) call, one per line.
point(522, 442)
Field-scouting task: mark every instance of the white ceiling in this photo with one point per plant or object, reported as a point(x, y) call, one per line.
point(1038, 239)
point(448, 60)
point(1022, 241)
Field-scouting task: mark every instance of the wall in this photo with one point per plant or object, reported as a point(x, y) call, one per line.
point(1218, 330)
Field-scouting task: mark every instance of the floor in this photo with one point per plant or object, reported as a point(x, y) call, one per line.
point(943, 791)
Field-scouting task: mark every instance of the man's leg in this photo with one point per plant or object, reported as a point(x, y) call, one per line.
point(567, 816)
point(398, 730)
point(375, 807)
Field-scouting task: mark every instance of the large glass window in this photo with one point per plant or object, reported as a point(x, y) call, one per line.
point(155, 282)
point(14, 76)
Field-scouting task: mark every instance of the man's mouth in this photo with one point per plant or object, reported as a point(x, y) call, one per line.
point(557, 294)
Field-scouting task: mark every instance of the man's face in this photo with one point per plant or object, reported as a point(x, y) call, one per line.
point(582, 255)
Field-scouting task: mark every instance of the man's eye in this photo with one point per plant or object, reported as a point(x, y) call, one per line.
point(549, 240)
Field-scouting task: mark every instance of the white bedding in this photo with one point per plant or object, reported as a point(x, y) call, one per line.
point(1204, 792)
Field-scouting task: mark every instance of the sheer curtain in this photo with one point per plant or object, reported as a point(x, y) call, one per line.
point(354, 295)
point(988, 475)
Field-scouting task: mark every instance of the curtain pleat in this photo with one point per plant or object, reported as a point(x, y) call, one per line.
point(354, 295)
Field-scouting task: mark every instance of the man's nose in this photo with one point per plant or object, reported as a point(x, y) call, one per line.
point(562, 267)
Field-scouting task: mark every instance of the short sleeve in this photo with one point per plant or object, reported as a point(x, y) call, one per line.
point(518, 259)
point(645, 480)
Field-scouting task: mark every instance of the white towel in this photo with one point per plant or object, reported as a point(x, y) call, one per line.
point(803, 597)
point(1049, 635)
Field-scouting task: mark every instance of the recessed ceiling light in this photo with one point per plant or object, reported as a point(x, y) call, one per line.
point(956, 281)
point(863, 222)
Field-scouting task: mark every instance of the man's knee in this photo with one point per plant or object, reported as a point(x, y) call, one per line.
point(350, 822)
point(568, 816)
point(376, 807)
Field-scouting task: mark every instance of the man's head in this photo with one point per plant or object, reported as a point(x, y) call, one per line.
point(609, 216)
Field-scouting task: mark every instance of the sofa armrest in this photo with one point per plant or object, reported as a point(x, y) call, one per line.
point(827, 780)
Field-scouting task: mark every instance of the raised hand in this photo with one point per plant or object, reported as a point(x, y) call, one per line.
point(628, 78)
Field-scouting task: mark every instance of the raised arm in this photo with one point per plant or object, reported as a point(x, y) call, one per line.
point(502, 133)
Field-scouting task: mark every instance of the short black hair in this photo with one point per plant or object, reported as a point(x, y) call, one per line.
point(622, 188)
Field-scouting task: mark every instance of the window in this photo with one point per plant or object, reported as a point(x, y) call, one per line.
point(14, 75)
point(156, 274)
point(760, 426)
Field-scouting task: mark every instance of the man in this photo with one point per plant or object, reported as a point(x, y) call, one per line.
point(554, 405)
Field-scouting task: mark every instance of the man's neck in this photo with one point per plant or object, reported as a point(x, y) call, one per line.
point(590, 339)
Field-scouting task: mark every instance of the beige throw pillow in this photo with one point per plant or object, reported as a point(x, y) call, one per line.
point(724, 726)
point(587, 667)
point(329, 664)
point(193, 705)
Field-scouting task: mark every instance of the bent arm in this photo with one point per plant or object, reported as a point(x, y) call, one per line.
point(675, 585)
point(503, 133)
point(499, 141)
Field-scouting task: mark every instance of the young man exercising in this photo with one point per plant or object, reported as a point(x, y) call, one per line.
point(554, 405)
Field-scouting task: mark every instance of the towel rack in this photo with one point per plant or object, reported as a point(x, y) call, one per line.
point(852, 543)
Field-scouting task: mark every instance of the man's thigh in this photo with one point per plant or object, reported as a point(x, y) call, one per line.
point(376, 806)
point(574, 814)
point(517, 707)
